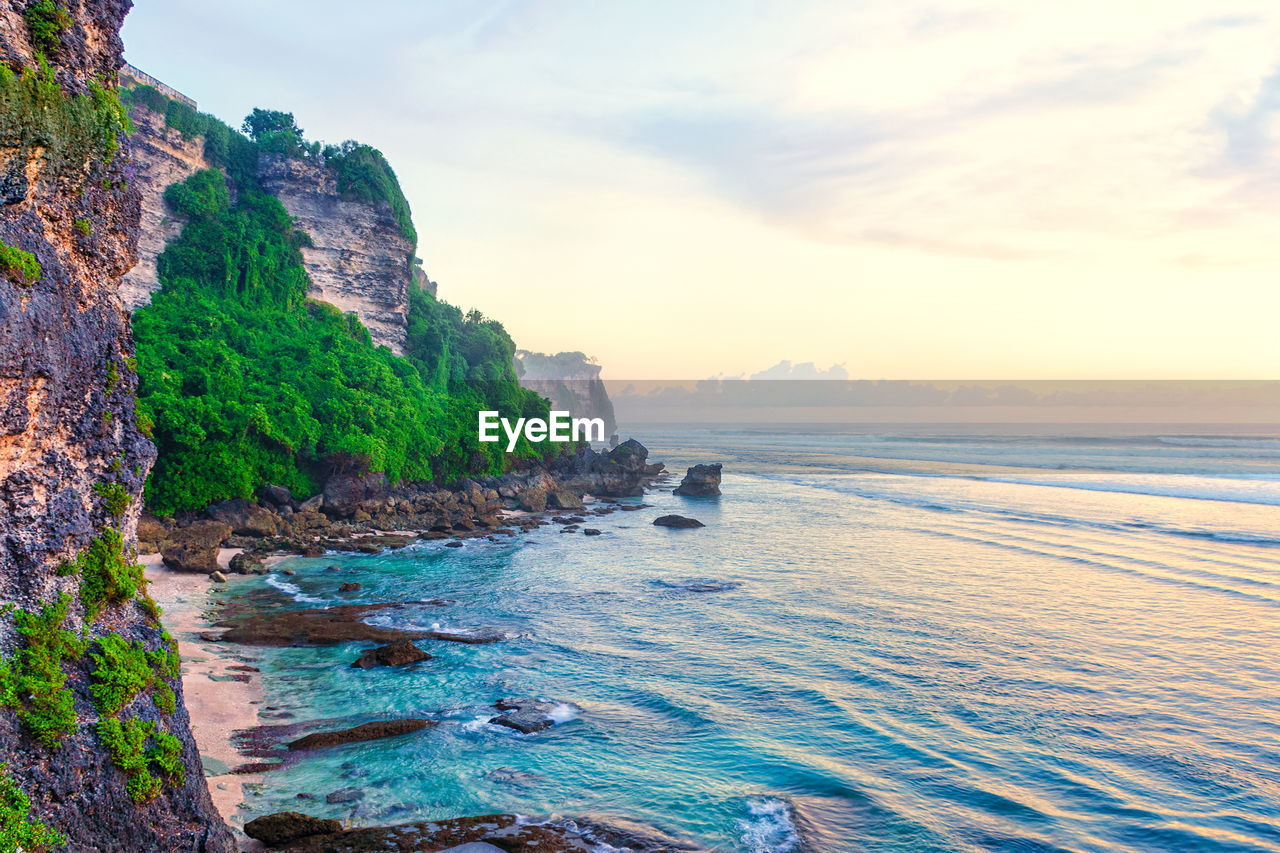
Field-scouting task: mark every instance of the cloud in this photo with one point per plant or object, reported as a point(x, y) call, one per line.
point(1250, 132)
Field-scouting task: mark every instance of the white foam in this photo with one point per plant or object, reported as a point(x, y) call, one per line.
point(562, 713)
point(292, 589)
point(770, 827)
point(478, 723)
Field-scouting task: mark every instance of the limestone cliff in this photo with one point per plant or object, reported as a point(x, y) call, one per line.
point(571, 381)
point(358, 259)
point(73, 460)
point(162, 156)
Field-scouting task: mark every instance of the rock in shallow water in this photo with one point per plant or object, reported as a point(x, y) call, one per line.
point(358, 734)
point(526, 715)
point(274, 830)
point(678, 522)
point(399, 653)
point(318, 627)
point(701, 481)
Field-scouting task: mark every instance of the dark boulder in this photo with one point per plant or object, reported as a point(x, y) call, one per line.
point(281, 828)
point(245, 518)
point(350, 587)
point(194, 548)
point(678, 522)
point(399, 653)
point(359, 734)
point(247, 563)
point(277, 496)
point(525, 715)
point(701, 481)
point(344, 494)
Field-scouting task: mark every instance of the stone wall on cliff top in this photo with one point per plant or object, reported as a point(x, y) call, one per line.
point(72, 457)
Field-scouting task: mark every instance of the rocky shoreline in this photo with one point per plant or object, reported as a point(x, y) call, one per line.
point(360, 515)
point(364, 513)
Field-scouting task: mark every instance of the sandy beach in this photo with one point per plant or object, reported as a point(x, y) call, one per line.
point(221, 687)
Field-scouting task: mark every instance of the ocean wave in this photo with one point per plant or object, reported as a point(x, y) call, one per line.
point(769, 827)
point(957, 505)
point(292, 590)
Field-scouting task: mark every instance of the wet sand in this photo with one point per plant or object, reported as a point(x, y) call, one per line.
point(220, 695)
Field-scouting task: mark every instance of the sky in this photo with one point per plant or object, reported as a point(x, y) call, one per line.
point(898, 189)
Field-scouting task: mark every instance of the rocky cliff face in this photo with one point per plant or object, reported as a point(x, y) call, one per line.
point(73, 460)
point(358, 259)
point(162, 157)
point(572, 383)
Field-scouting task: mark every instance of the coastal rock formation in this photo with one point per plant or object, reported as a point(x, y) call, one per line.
point(358, 734)
point(571, 381)
point(194, 548)
point(480, 834)
point(525, 715)
point(701, 481)
point(73, 459)
point(162, 156)
point(399, 653)
point(358, 259)
point(678, 522)
point(320, 627)
point(274, 830)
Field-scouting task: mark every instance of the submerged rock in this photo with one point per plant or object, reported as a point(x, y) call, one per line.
point(487, 833)
point(701, 481)
point(473, 638)
point(318, 627)
point(525, 715)
point(678, 522)
point(359, 734)
point(399, 653)
point(345, 795)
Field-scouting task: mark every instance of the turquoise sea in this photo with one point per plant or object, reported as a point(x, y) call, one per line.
point(923, 639)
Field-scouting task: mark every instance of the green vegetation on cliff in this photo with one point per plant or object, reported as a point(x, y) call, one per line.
point(126, 743)
point(249, 382)
point(20, 266)
point(68, 130)
point(34, 682)
point(18, 832)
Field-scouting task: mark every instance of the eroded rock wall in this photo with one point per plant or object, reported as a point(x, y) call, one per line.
point(358, 259)
point(162, 157)
point(72, 456)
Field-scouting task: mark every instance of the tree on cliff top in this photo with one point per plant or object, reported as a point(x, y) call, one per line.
point(277, 132)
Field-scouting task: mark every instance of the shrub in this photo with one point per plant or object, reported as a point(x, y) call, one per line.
point(46, 21)
point(120, 672)
point(35, 683)
point(36, 113)
point(20, 266)
point(107, 574)
point(115, 498)
point(126, 744)
point(18, 832)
